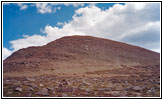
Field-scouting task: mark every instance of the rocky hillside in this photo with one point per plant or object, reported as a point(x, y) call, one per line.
point(76, 66)
point(80, 50)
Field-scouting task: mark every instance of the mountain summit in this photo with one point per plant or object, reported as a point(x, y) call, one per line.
point(83, 53)
point(76, 66)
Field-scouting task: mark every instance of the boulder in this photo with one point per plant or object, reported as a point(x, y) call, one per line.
point(137, 88)
point(68, 89)
point(64, 95)
point(41, 85)
point(30, 89)
point(19, 89)
point(43, 92)
point(31, 79)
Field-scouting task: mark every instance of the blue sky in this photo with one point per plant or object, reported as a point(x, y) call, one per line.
point(29, 21)
point(35, 24)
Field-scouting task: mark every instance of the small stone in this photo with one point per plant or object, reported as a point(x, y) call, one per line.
point(68, 89)
point(104, 89)
point(152, 91)
point(149, 91)
point(64, 95)
point(87, 89)
point(137, 88)
point(53, 81)
point(128, 88)
point(95, 79)
point(75, 89)
point(7, 80)
point(43, 92)
point(64, 82)
point(30, 79)
point(137, 94)
point(18, 89)
point(60, 86)
point(29, 94)
point(50, 88)
point(115, 93)
point(86, 83)
point(54, 92)
point(126, 82)
point(17, 83)
point(10, 92)
point(30, 89)
point(34, 85)
point(123, 93)
point(41, 85)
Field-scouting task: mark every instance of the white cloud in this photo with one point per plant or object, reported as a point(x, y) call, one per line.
point(68, 4)
point(123, 23)
point(22, 6)
point(6, 53)
point(48, 7)
point(35, 40)
point(74, 4)
point(43, 8)
point(56, 8)
point(156, 50)
point(60, 24)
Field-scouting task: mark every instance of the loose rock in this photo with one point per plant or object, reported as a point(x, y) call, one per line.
point(64, 95)
point(18, 89)
point(137, 88)
point(41, 85)
point(43, 92)
point(31, 79)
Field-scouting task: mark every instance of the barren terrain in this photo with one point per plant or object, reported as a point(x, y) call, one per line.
point(82, 66)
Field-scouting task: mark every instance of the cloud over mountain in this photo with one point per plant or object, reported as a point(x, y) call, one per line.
point(134, 23)
point(6, 53)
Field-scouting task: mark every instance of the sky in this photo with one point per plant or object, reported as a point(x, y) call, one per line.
point(36, 24)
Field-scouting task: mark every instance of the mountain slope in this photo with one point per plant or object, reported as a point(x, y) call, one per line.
point(77, 66)
point(77, 52)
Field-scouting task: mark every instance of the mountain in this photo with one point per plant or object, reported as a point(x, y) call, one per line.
point(82, 66)
point(78, 52)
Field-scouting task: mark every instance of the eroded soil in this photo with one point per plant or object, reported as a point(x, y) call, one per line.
point(137, 81)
